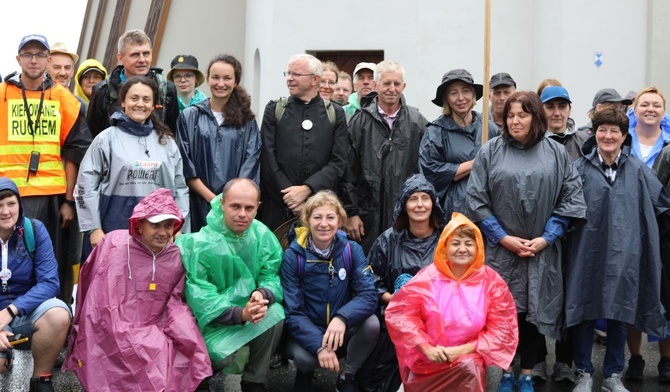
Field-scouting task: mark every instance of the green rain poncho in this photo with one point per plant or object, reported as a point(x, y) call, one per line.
point(222, 269)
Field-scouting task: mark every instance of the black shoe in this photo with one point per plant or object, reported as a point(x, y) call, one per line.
point(346, 383)
point(204, 385)
point(664, 370)
point(635, 371)
point(303, 381)
point(253, 387)
point(41, 384)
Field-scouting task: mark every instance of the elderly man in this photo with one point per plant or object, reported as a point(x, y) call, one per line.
point(384, 143)
point(232, 283)
point(29, 278)
point(134, 56)
point(42, 151)
point(501, 86)
point(61, 66)
point(304, 147)
point(364, 82)
point(134, 281)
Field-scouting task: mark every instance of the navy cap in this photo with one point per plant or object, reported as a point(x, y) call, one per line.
point(34, 37)
point(553, 92)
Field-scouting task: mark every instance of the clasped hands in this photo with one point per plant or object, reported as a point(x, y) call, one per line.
point(255, 309)
point(523, 247)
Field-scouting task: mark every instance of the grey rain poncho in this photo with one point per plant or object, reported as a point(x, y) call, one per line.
point(523, 188)
point(613, 266)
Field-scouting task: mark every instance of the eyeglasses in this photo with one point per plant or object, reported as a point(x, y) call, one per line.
point(296, 75)
point(29, 56)
point(188, 76)
point(328, 83)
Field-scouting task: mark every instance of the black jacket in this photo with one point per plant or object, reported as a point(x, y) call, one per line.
point(104, 101)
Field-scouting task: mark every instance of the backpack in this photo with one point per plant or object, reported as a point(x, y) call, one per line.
point(346, 257)
point(163, 98)
point(283, 102)
point(29, 237)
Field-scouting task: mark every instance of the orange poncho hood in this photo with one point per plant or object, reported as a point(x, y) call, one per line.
point(441, 258)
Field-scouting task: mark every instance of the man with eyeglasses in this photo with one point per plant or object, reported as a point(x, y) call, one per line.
point(186, 76)
point(43, 137)
point(304, 144)
point(134, 57)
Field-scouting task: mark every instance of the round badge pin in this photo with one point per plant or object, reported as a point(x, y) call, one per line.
point(307, 125)
point(342, 274)
point(5, 274)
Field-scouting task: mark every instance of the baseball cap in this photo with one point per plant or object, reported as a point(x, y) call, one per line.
point(553, 92)
point(501, 79)
point(360, 66)
point(59, 47)
point(609, 95)
point(34, 37)
point(162, 217)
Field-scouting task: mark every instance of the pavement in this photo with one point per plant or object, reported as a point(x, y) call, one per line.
point(281, 379)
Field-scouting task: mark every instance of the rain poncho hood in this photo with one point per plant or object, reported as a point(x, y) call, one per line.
point(155, 203)
point(222, 270)
point(88, 64)
point(435, 309)
point(414, 184)
point(441, 259)
point(132, 329)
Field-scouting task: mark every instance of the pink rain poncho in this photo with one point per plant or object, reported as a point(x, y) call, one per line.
point(133, 330)
point(436, 308)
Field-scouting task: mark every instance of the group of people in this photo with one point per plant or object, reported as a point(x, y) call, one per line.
point(415, 252)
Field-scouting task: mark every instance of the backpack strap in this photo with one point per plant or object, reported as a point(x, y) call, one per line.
point(163, 96)
point(346, 256)
point(29, 236)
point(330, 111)
point(302, 272)
point(280, 108)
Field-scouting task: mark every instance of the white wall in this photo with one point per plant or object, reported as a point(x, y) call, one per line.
point(531, 40)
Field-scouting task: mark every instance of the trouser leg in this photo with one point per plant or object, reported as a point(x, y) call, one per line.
point(615, 351)
point(260, 354)
point(361, 343)
point(582, 345)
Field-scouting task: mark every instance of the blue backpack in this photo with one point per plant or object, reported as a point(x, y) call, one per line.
point(29, 236)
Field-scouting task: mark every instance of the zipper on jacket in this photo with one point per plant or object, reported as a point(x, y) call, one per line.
point(331, 273)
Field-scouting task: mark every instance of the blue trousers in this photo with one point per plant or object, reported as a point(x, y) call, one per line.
point(615, 351)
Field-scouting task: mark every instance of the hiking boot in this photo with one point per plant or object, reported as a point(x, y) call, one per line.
point(303, 381)
point(539, 372)
point(525, 383)
point(563, 372)
point(346, 383)
point(635, 371)
point(41, 384)
point(506, 383)
point(584, 382)
point(664, 370)
point(613, 384)
point(248, 386)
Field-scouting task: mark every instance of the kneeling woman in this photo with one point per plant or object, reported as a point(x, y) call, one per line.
point(454, 318)
point(133, 330)
point(329, 295)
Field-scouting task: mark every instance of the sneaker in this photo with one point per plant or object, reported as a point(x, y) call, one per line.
point(248, 386)
point(346, 383)
point(303, 381)
point(635, 370)
point(506, 383)
point(41, 384)
point(584, 382)
point(525, 383)
point(600, 336)
point(539, 372)
point(613, 384)
point(563, 372)
point(664, 370)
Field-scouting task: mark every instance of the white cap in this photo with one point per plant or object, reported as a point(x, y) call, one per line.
point(162, 217)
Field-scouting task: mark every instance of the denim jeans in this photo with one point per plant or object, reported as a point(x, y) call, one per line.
point(615, 351)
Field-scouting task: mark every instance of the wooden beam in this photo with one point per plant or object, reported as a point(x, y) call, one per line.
point(95, 37)
point(118, 26)
point(156, 20)
point(82, 35)
point(487, 70)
